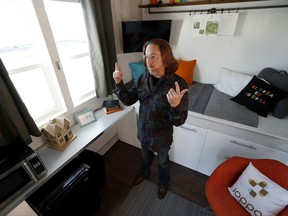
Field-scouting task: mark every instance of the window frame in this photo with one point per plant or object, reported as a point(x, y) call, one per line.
point(54, 74)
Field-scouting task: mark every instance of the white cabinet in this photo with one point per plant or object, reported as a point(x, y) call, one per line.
point(218, 147)
point(187, 145)
point(127, 129)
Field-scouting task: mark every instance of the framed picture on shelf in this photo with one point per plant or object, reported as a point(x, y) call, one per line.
point(85, 117)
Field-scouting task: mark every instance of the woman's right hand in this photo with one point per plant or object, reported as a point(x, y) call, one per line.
point(117, 74)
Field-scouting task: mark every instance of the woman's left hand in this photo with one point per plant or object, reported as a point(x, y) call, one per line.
point(174, 96)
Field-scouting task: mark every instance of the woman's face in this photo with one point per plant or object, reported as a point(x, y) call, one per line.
point(154, 61)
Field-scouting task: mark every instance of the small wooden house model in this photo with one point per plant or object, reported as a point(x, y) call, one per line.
point(58, 133)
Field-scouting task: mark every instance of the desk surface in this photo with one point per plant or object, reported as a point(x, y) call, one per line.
point(55, 160)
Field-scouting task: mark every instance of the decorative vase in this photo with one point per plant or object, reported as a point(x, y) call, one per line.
point(153, 2)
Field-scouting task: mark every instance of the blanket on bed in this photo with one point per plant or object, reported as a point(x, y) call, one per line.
point(207, 100)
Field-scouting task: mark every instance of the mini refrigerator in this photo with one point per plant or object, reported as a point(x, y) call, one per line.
point(74, 190)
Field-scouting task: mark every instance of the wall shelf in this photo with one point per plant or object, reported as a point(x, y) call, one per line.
point(196, 3)
point(154, 8)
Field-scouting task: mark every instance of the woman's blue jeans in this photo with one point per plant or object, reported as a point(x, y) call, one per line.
point(163, 163)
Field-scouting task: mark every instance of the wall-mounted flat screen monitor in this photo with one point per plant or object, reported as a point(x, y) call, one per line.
point(136, 33)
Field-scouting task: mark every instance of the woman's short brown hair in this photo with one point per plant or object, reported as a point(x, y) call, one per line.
point(169, 61)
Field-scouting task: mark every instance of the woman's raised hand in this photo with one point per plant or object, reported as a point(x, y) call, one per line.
point(174, 96)
point(117, 74)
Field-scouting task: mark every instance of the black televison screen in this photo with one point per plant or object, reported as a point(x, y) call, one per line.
point(136, 33)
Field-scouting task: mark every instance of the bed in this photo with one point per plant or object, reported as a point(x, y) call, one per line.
point(207, 100)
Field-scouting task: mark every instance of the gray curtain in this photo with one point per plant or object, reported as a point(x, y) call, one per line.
point(15, 120)
point(99, 24)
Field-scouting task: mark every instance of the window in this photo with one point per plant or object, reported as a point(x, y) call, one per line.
point(43, 45)
point(72, 44)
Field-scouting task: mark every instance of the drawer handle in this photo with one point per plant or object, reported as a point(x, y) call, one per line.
point(190, 129)
point(244, 145)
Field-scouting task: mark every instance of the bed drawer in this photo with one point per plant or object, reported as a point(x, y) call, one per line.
point(219, 147)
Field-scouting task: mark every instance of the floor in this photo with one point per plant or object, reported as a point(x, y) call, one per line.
point(22, 210)
point(122, 162)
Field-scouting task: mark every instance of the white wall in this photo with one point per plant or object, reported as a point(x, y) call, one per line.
point(260, 40)
point(123, 10)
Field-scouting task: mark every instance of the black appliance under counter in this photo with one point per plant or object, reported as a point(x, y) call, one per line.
point(69, 192)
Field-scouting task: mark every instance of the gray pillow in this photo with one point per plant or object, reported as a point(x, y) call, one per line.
point(280, 109)
point(278, 79)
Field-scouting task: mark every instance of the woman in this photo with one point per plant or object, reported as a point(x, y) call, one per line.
point(163, 104)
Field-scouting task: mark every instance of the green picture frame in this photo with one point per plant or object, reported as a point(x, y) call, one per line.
point(85, 117)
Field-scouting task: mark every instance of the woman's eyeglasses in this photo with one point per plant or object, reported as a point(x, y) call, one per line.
point(152, 57)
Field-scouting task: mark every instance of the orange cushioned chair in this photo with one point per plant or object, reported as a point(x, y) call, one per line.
point(226, 174)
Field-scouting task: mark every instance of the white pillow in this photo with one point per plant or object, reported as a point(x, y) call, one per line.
point(232, 82)
point(258, 194)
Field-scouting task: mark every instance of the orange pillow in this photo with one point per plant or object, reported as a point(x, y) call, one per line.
point(186, 69)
